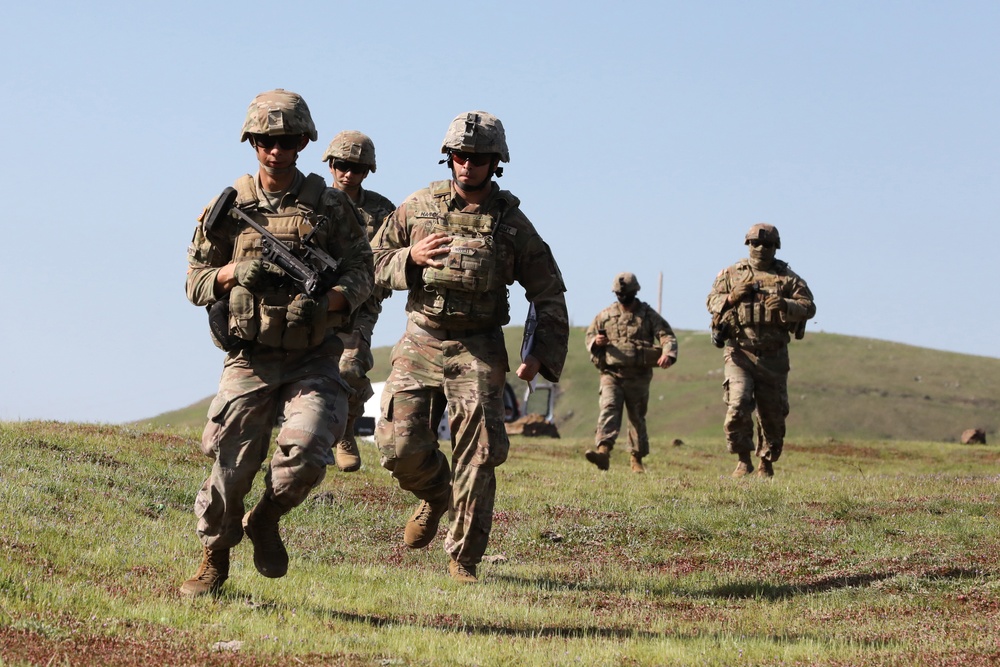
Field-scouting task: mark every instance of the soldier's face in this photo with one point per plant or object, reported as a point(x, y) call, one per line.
point(472, 169)
point(762, 251)
point(278, 152)
point(348, 175)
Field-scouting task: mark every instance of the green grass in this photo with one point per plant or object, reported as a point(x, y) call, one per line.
point(839, 386)
point(856, 553)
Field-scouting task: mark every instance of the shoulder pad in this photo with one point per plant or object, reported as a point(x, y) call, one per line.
point(440, 188)
point(508, 197)
point(312, 191)
point(246, 192)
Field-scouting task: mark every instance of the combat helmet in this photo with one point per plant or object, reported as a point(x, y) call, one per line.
point(625, 283)
point(352, 146)
point(278, 112)
point(763, 232)
point(476, 132)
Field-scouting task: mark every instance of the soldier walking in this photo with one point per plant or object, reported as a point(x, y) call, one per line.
point(282, 345)
point(756, 305)
point(626, 341)
point(455, 246)
point(351, 157)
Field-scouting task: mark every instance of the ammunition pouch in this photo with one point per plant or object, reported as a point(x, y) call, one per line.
point(471, 266)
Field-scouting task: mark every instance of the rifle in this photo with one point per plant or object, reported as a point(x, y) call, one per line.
point(312, 270)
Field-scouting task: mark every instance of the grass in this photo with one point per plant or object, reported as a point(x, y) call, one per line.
point(856, 553)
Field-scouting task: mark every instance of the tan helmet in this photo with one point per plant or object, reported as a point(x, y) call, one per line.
point(476, 132)
point(763, 232)
point(278, 112)
point(625, 283)
point(352, 146)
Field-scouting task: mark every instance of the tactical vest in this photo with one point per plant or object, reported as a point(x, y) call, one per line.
point(469, 291)
point(756, 322)
point(261, 317)
point(627, 347)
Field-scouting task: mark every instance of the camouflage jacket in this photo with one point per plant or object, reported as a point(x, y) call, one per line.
point(521, 255)
point(342, 236)
point(749, 323)
point(373, 208)
point(637, 338)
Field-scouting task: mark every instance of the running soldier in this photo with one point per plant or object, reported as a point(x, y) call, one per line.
point(756, 305)
point(455, 246)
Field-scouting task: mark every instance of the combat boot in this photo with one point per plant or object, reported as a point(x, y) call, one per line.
point(261, 526)
point(601, 457)
point(637, 464)
point(211, 574)
point(744, 467)
point(423, 525)
point(345, 453)
point(463, 574)
point(766, 469)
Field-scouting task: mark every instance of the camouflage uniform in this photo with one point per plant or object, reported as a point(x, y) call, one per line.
point(453, 353)
point(756, 347)
point(280, 373)
point(637, 339)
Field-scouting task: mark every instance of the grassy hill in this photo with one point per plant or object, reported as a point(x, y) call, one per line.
point(839, 387)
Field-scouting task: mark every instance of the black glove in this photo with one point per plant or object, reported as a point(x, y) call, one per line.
point(303, 311)
point(256, 274)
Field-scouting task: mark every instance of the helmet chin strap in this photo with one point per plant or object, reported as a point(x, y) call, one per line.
point(282, 171)
point(464, 187)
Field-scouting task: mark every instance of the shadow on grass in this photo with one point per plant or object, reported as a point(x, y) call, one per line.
point(765, 591)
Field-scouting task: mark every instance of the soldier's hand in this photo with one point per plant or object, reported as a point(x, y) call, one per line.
point(426, 251)
point(303, 311)
point(256, 274)
point(600, 340)
point(775, 302)
point(740, 291)
point(666, 361)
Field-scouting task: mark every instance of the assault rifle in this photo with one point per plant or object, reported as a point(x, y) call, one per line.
point(311, 269)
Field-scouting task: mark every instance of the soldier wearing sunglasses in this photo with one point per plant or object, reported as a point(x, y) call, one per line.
point(283, 368)
point(757, 305)
point(454, 247)
point(351, 157)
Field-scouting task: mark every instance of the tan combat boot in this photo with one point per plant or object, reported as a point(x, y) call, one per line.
point(211, 574)
point(601, 457)
point(744, 467)
point(463, 574)
point(261, 526)
point(423, 525)
point(345, 453)
point(637, 464)
point(766, 469)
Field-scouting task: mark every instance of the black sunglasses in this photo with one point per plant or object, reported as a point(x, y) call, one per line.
point(343, 165)
point(761, 244)
point(478, 159)
point(285, 141)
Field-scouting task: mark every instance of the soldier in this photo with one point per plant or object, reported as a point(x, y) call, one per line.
point(626, 341)
point(351, 156)
point(281, 366)
point(755, 305)
point(455, 246)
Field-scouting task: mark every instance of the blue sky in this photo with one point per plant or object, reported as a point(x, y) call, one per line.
point(644, 136)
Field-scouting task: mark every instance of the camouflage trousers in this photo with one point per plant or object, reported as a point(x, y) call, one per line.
point(302, 393)
point(624, 393)
point(466, 375)
point(756, 383)
point(355, 363)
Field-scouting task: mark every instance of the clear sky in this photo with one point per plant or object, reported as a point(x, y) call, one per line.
point(644, 137)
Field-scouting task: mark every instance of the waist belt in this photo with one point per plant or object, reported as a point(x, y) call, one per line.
point(447, 334)
point(758, 348)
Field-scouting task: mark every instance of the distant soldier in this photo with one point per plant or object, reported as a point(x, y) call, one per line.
point(281, 364)
point(756, 304)
point(455, 246)
point(626, 341)
point(351, 156)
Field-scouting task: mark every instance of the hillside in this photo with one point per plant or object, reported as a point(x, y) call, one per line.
point(839, 387)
